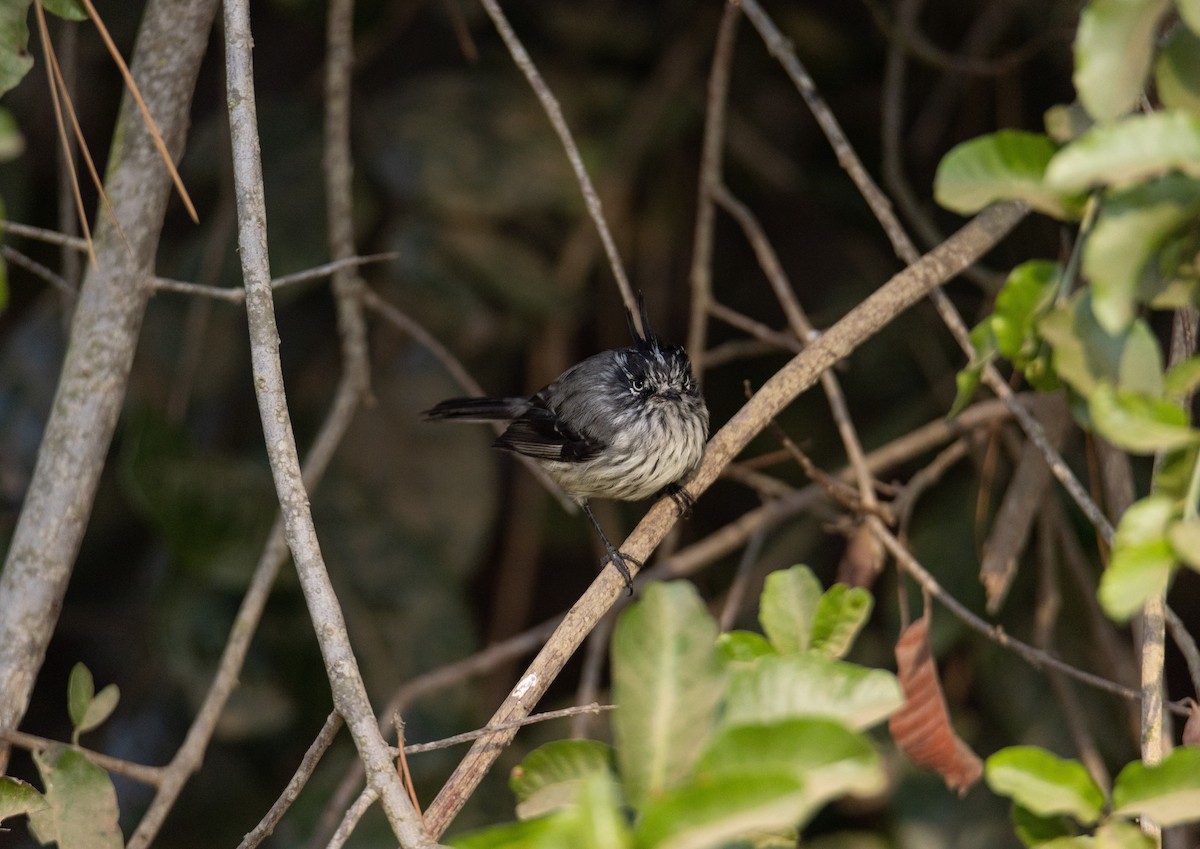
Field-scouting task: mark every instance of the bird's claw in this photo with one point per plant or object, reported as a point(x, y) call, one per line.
point(684, 502)
point(621, 561)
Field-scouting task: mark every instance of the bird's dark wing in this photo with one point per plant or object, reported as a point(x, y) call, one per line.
point(540, 433)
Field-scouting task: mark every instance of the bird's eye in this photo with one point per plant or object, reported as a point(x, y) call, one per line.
point(638, 385)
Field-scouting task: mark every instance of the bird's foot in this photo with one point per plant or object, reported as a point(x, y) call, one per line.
point(682, 498)
point(622, 561)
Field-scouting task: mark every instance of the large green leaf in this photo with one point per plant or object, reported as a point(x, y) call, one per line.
point(1044, 783)
point(667, 680)
point(1113, 48)
point(830, 759)
point(1142, 558)
point(718, 811)
point(1177, 71)
point(1085, 354)
point(789, 602)
point(1139, 423)
point(82, 811)
point(550, 776)
point(1132, 226)
point(1008, 165)
point(1168, 794)
point(810, 685)
point(1132, 150)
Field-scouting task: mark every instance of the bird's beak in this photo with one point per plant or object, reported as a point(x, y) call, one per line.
point(672, 395)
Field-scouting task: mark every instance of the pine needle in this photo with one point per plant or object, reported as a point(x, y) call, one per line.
point(146, 116)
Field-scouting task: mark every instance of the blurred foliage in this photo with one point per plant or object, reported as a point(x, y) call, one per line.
point(458, 171)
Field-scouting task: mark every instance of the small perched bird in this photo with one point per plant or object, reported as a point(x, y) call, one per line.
point(624, 424)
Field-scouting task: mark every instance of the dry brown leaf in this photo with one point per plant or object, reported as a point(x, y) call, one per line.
point(921, 728)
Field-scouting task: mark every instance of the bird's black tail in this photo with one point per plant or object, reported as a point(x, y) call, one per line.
point(478, 409)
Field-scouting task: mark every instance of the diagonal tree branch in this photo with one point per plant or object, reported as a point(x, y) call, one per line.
point(878, 310)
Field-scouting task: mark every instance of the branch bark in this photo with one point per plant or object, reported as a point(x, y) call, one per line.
point(104, 334)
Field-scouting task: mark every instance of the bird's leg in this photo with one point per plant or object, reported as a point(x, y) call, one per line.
point(621, 561)
point(682, 498)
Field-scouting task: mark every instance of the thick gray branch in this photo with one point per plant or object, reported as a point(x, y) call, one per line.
point(104, 333)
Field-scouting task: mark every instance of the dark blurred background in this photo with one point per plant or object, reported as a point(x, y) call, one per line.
point(438, 546)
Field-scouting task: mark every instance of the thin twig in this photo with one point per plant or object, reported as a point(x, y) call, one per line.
point(594, 708)
point(148, 775)
point(554, 112)
point(351, 817)
point(710, 174)
point(52, 237)
point(308, 765)
point(17, 258)
point(1034, 657)
point(68, 155)
point(238, 295)
point(145, 110)
point(737, 588)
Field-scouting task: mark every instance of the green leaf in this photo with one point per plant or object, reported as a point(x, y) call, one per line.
point(1139, 423)
point(840, 615)
point(1184, 536)
point(1067, 122)
point(1133, 150)
point(99, 709)
point(1085, 354)
point(1142, 559)
point(1183, 378)
point(1168, 793)
point(596, 820)
point(1113, 48)
point(967, 381)
point(743, 646)
point(542, 833)
point(550, 776)
point(1008, 165)
point(1027, 293)
point(667, 680)
point(983, 341)
point(1189, 10)
point(1118, 834)
point(809, 685)
point(1177, 71)
point(71, 10)
point(715, 812)
point(1034, 830)
point(12, 142)
point(80, 691)
point(15, 60)
point(18, 798)
point(82, 811)
point(1044, 783)
point(1132, 226)
point(828, 758)
point(789, 602)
